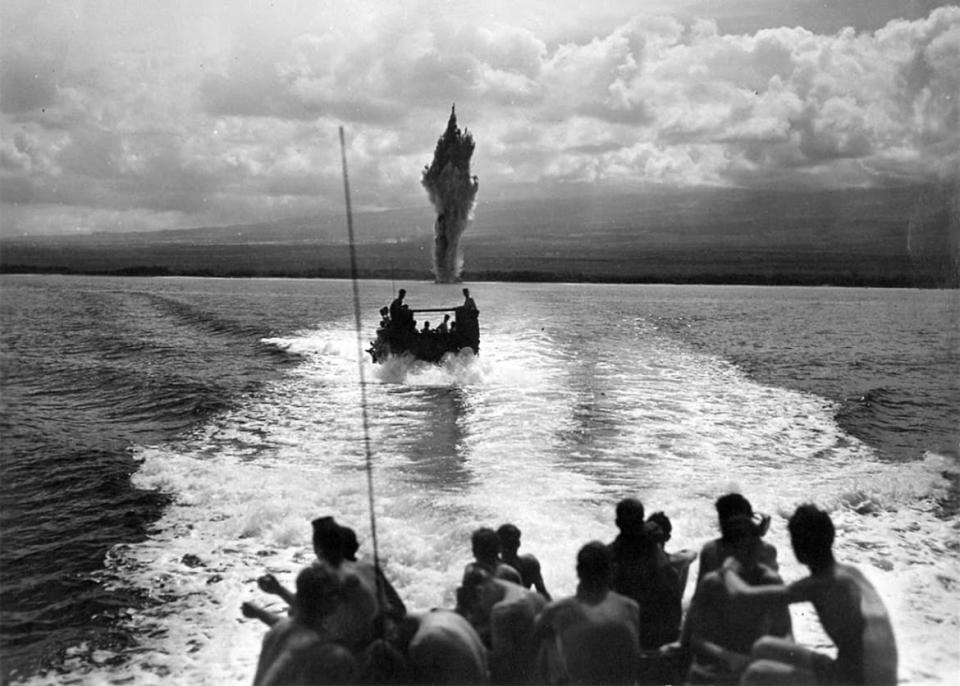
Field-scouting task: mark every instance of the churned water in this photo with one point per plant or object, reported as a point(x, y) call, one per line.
point(166, 441)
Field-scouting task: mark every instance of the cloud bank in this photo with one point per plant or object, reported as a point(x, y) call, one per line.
point(141, 120)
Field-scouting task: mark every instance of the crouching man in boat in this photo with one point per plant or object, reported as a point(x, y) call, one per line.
point(849, 608)
point(594, 636)
point(298, 649)
point(442, 647)
point(503, 614)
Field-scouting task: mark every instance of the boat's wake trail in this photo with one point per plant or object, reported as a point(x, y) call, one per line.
point(462, 368)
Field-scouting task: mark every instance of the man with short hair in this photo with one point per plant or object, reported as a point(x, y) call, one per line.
point(643, 572)
point(527, 565)
point(714, 552)
point(849, 607)
point(503, 613)
point(722, 632)
point(485, 545)
point(298, 649)
point(596, 631)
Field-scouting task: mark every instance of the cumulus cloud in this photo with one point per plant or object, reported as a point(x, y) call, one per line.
point(223, 126)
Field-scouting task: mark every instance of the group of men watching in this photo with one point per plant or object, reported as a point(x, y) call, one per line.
point(347, 624)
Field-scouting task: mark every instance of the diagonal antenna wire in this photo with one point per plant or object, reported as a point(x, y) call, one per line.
point(363, 383)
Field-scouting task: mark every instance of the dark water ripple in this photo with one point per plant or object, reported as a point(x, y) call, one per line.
point(87, 373)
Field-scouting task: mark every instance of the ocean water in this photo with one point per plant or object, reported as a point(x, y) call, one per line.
point(166, 441)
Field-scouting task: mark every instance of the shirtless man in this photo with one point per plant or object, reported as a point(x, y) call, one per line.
point(366, 599)
point(503, 613)
point(297, 649)
point(443, 648)
point(850, 611)
point(596, 631)
point(715, 552)
point(641, 571)
point(527, 565)
point(485, 545)
point(681, 560)
point(722, 633)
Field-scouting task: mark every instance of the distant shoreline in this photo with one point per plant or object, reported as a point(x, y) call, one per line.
point(523, 276)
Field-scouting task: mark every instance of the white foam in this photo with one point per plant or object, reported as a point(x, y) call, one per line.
point(513, 435)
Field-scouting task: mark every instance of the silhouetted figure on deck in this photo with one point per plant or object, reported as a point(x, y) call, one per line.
point(442, 647)
point(594, 635)
point(299, 649)
point(485, 545)
point(714, 552)
point(527, 565)
point(426, 328)
point(850, 611)
point(643, 572)
point(680, 560)
point(468, 303)
point(503, 614)
point(723, 632)
point(445, 324)
point(396, 307)
point(368, 602)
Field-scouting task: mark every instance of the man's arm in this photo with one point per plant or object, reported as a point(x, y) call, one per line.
point(268, 584)
point(256, 612)
point(772, 596)
point(537, 576)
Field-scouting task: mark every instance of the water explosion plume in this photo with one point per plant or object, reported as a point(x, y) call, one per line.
point(452, 191)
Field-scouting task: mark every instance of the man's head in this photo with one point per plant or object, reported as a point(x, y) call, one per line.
point(509, 536)
point(318, 591)
point(811, 534)
point(485, 544)
point(630, 516)
point(466, 292)
point(401, 292)
point(595, 564)
point(328, 540)
point(742, 535)
point(350, 543)
point(732, 504)
point(663, 523)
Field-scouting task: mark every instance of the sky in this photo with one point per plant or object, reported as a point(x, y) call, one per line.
point(133, 115)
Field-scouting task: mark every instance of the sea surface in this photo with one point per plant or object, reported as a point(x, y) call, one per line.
point(165, 441)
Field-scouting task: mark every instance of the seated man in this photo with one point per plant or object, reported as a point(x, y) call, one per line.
point(366, 598)
point(716, 551)
point(485, 545)
point(527, 565)
point(596, 632)
point(850, 611)
point(680, 560)
point(503, 613)
point(642, 572)
point(297, 649)
point(443, 648)
point(722, 633)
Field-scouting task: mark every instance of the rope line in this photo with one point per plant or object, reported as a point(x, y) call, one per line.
point(360, 357)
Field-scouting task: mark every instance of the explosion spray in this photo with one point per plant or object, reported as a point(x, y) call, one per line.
point(452, 192)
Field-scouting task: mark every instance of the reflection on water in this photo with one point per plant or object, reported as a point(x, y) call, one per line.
point(429, 432)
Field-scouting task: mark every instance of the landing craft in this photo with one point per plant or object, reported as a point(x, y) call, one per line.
point(402, 337)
